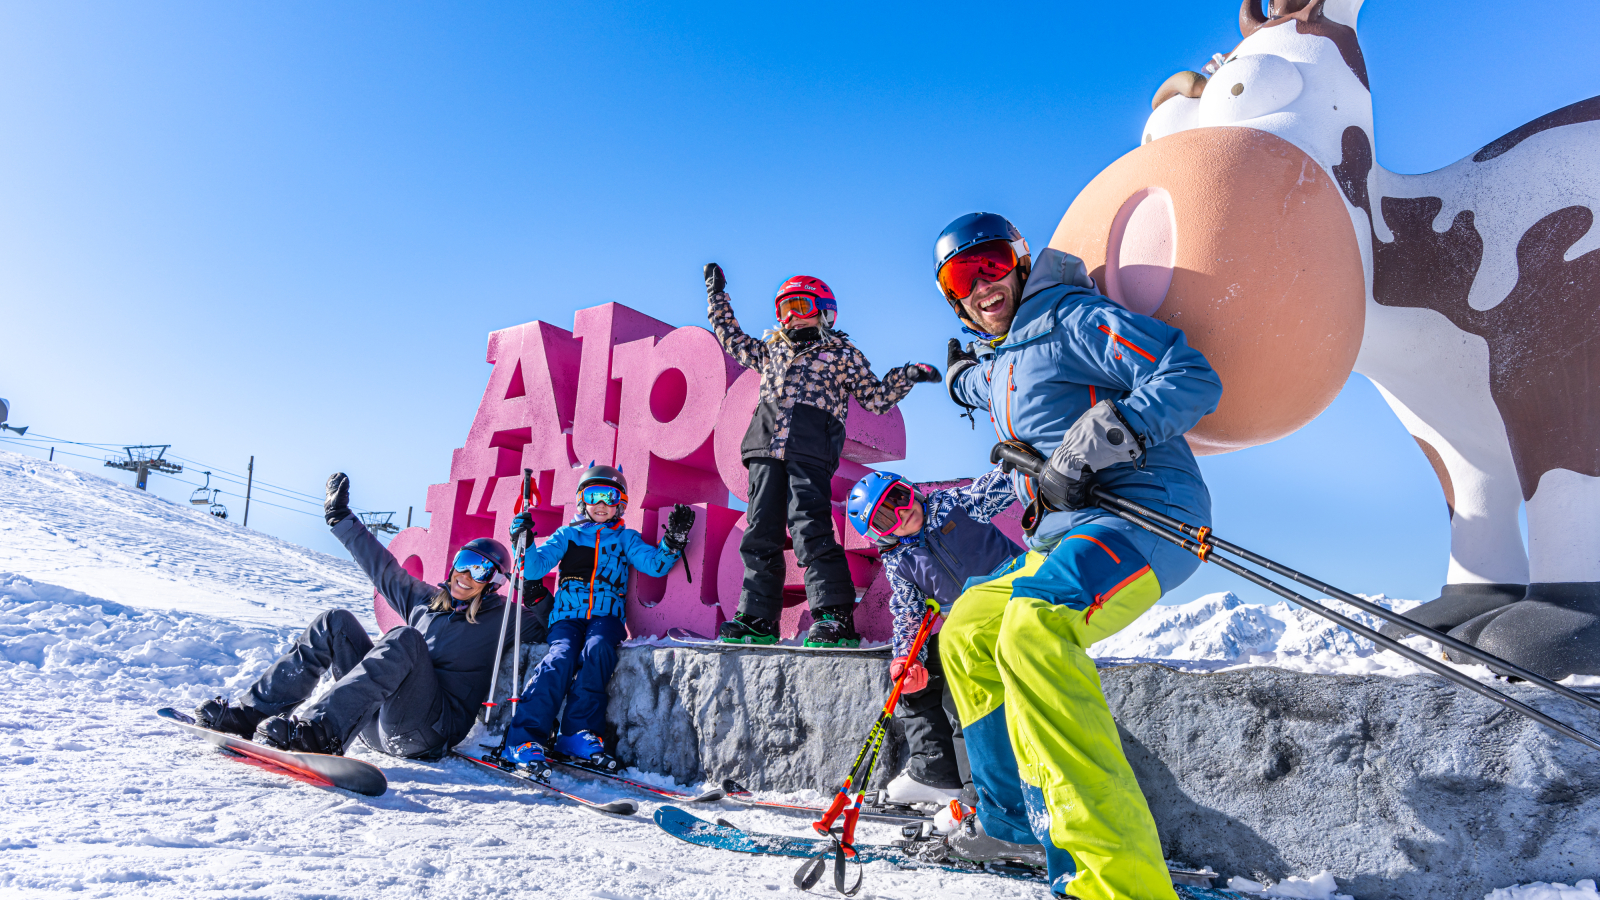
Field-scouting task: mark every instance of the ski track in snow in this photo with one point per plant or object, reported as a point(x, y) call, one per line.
point(114, 602)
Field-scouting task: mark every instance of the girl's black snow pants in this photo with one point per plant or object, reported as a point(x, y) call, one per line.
point(795, 493)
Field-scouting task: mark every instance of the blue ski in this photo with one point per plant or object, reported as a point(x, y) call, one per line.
point(701, 833)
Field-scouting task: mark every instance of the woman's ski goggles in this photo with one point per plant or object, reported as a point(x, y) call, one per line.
point(602, 495)
point(796, 306)
point(896, 501)
point(474, 564)
point(990, 261)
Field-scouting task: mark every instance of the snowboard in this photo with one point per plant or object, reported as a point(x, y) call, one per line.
point(682, 636)
point(722, 836)
point(319, 768)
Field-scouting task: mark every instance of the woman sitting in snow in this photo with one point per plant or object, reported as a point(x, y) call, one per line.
point(412, 694)
point(593, 555)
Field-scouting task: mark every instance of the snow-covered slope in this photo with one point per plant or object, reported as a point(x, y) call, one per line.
point(69, 528)
point(113, 602)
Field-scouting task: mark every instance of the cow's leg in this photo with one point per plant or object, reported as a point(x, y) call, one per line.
point(1555, 631)
point(1471, 456)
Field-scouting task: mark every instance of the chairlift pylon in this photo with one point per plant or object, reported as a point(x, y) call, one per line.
point(203, 496)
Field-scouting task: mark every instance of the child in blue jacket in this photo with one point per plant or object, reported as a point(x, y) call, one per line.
point(592, 555)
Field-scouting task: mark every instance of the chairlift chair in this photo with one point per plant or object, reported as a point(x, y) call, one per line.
point(217, 509)
point(203, 496)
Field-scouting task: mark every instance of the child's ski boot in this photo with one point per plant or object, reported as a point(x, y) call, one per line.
point(586, 750)
point(530, 758)
point(906, 791)
point(835, 627)
point(748, 629)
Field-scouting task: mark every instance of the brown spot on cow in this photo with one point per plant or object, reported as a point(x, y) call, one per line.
point(1544, 337)
point(1582, 111)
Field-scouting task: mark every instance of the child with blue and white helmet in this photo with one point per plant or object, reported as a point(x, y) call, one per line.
point(930, 545)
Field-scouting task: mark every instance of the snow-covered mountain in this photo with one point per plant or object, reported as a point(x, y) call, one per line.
point(1220, 630)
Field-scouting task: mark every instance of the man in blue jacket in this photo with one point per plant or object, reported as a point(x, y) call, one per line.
point(1107, 395)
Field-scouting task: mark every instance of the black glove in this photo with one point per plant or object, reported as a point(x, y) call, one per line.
point(959, 357)
point(1060, 491)
point(916, 373)
point(1057, 489)
point(337, 507)
point(534, 592)
point(536, 604)
point(678, 525)
point(522, 524)
point(716, 282)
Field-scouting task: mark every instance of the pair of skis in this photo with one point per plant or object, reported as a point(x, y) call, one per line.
point(721, 835)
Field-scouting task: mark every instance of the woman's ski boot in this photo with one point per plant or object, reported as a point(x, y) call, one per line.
point(586, 750)
point(217, 715)
point(530, 758)
point(298, 736)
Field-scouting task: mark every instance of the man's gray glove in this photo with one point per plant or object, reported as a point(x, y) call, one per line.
point(1100, 438)
point(337, 507)
point(716, 282)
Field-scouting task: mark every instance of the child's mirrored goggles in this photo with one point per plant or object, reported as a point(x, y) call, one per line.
point(990, 261)
point(475, 565)
point(601, 495)
point(896, 501)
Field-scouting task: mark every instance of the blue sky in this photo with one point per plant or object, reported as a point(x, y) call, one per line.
point(285, 230)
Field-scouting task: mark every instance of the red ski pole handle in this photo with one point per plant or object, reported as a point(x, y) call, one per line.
point(824, 825)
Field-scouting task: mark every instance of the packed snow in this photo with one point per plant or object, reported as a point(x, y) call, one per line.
point(114, 602)
point(1318, 887)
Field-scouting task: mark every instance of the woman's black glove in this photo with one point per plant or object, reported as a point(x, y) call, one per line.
point(917, 373)
point(537, 602)
point(678, 525)
point(716, 282)
point(337, 507)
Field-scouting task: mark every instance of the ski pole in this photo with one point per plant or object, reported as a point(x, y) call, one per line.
point(525, 501)
point(505, 613)
point(861, 769)
point(1021, 456)
point(1205, 537)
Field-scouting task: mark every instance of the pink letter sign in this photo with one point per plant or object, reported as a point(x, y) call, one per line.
point(667, 406)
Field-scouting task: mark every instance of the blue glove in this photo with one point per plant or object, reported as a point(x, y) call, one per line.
point(521, 525)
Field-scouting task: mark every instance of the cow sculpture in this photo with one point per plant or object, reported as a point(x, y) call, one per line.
point(1254, 215)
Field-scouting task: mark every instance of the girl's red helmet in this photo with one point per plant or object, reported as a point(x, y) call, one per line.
point(816, 290)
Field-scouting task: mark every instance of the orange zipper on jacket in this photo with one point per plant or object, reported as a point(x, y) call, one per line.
point(592, 573)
